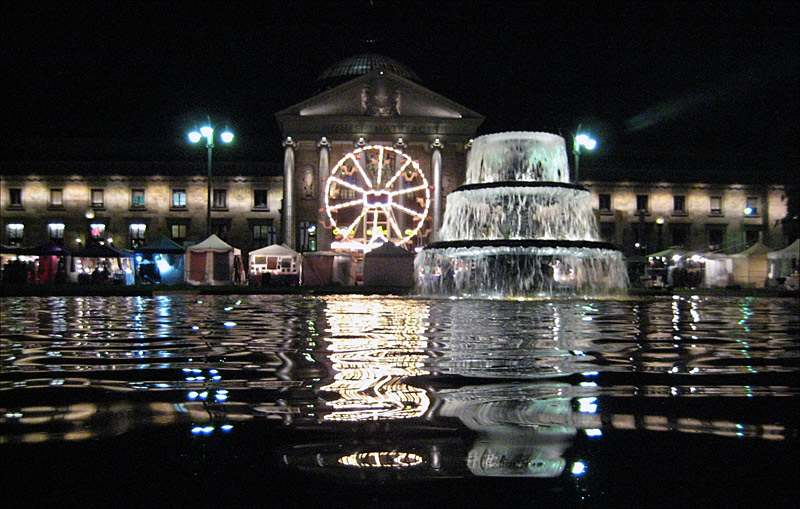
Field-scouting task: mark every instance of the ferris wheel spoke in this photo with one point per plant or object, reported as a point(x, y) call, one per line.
point(346, 184)
point(352, 227)
point(394, 225)
point(353, 203)
point(397, 174)
point(361, 170)
point(410, 190)
point(407, 210)
point(380, 165)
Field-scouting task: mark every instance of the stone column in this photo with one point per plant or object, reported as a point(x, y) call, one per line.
point(400, 217)
point(436, 170)
point(323, 234)
point(288, 226)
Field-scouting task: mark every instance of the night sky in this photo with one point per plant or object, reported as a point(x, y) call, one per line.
point(700, 87)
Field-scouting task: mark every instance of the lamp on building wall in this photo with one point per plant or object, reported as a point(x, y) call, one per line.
point(748, 211)
point(581, 140)
point(207, 132)
point(660, 225)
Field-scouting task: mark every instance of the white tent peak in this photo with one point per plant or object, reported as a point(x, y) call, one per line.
point(212, 242)
point(756, 249)
point(275, 250)
point(790, 251)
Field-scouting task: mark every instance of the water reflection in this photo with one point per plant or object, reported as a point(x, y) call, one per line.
point(404, 388)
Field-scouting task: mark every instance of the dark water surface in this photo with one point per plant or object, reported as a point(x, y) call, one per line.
point(273, 401)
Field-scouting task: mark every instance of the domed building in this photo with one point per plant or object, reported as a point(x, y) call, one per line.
point(370, 158)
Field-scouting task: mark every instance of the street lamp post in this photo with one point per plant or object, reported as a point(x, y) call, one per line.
point(579, 141)
point(207, 132)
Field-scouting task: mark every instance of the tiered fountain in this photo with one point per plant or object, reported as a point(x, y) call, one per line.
point(518, 228)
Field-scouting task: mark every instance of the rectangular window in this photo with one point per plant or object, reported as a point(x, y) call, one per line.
point(308, 236)
point(680, 234)
point(179, 198)
point(679, 204)
point(264, 235)
point(178, 232)
point(56, 197)
point(97, 231)
point(56, 233)
point(261, 199)
point(607, 231)
point(604, 202)
point(137, 198)
point(715, 205)
point(751, 236)
point(97, 198)
point(752, 206)
point(716, 236)
point(15, 233)
point(137, 234)
point(220, 199)
point(642, 202)
point(15, 197)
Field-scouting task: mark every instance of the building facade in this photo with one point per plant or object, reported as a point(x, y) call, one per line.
point(645, 218)
point(369, 159)
point(128, 204)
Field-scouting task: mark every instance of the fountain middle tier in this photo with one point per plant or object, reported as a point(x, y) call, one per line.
point(519, 210)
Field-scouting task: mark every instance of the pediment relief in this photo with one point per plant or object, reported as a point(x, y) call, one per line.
point(380, 94)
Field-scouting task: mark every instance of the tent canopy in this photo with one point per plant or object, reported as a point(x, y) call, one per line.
point(211, 243)
point(670, 252)
point(756, 249)
point(163, 245)
point(46, 249)
point(102, 251)
point(388, 249)
point(790, 251)
point(275, 250)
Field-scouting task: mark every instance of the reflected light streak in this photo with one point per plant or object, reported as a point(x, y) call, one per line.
point(376, 345)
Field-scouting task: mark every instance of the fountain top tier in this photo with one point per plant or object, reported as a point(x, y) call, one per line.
point(518, 156)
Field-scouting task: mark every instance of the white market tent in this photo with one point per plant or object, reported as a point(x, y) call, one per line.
point(718, 270)
point(784, 262)
point(213, 262)
point(389, 265)
point(275, 259)
point(750, 266)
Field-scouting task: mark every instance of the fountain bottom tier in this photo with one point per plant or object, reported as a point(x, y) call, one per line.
point(521, 268)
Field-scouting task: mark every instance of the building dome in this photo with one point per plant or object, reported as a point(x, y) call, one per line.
point(358, 65)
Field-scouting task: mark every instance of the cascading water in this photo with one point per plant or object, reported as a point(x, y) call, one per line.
point(518, 228)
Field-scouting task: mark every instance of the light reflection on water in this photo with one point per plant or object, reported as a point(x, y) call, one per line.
point(531, 383)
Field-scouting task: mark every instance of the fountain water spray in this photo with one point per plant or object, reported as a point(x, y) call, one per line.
point(518, 228)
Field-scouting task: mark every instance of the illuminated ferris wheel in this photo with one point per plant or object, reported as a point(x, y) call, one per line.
point(376, 194)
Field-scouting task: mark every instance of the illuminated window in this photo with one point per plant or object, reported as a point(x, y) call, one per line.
point(97, 231)
point(56, 197)
point(220, 199)
point(178, 232)
point(679, 204)
point(261, 199)
point(715, 205)
point(752, 206)
point(179, 198)
point(264, 234)
point(137, 198)
point(15, 233)
point(56, 233)
point(137, 234)
point(308, 236)
point(604, 202)
point(97, 198)
point(642, 203)
point(15, 198)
